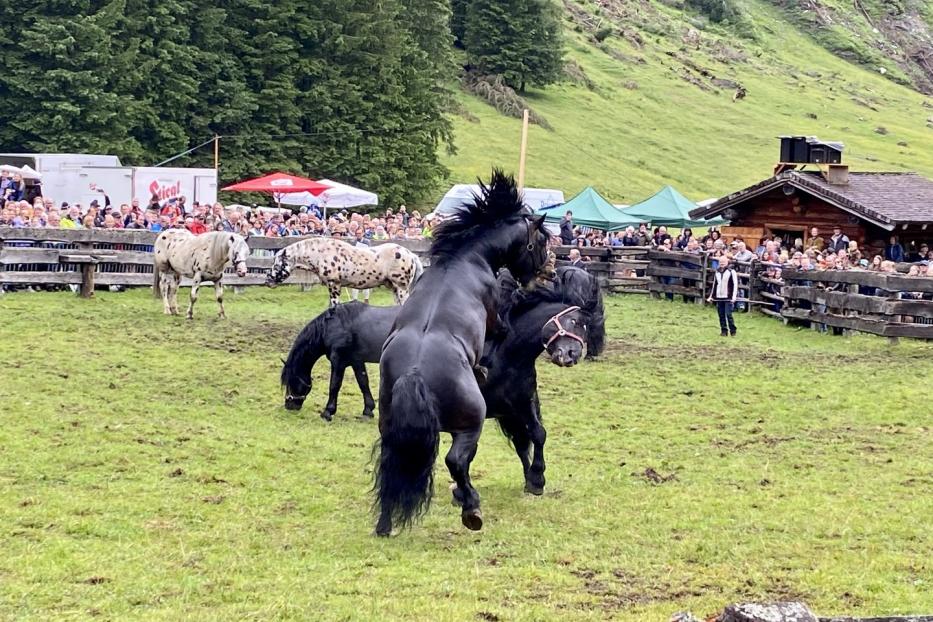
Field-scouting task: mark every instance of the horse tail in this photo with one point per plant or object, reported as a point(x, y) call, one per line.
point(407, 452)
point(596, 333)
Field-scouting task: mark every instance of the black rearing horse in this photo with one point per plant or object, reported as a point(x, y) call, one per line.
point(430, 364)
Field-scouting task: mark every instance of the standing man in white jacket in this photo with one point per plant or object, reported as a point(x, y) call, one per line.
point(725, 291)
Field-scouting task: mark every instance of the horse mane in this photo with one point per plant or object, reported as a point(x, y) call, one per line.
point(496, 202)
point(308, 342)
point(219, 248)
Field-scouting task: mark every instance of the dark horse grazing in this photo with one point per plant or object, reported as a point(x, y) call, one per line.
point(349, 335)
point(429, 368)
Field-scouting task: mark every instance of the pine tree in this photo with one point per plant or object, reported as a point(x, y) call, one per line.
point(518, 39)
point(348, 89)
point(59, 69)
point(458, 13)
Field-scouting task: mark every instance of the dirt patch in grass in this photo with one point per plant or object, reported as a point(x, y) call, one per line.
point(621, 589)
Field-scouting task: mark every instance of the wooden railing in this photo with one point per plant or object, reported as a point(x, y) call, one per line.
point(890, 305)
point(886, 304)
point(619, 269)
point(115, 257)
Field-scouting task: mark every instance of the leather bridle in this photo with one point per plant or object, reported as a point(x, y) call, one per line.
point(561, 331)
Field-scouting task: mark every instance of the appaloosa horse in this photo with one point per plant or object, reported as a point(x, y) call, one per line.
point(178, 253)
point(430, 365)
point(337, 264)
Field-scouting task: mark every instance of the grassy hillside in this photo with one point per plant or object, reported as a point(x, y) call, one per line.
point(652, 113)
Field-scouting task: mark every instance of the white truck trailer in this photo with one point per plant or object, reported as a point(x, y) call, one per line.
point(75, 178)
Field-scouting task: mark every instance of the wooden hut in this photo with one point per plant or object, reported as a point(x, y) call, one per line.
point(869, 207)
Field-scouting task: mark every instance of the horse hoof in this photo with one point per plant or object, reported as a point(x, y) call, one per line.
point(367, 414)
point(327, 415)
point(534, 489)
point(382, 533)
point(472, 519)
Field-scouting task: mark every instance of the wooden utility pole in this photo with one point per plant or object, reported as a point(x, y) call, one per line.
point(216, 152)
point(524, 150)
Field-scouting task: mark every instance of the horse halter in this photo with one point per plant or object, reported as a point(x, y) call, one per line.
point(561, 331)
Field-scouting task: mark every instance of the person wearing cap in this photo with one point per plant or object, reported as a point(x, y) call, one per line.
point(725, 292)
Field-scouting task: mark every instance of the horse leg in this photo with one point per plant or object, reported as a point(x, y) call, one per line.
point(461, 454)
point(334, 289)
point(194, 296)
point(514, 427)
point(219, 295)
point(165, 283)
point(362, 379)
point(534, 481)
point(400, 295)
point(366, 293)
point(337, 368)
point(173, 296)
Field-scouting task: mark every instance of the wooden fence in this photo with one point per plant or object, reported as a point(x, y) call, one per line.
point(890, 305)
point(887, 304)
point(620, 270)
point(87, 257)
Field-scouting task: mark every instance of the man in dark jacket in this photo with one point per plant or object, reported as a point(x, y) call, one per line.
point(566, 229)
point(725, 291)
point(839, 241)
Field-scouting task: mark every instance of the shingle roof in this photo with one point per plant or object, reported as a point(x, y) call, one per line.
point(887, 199)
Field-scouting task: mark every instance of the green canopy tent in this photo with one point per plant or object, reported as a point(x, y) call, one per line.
point(591, 210)
point(669, 208)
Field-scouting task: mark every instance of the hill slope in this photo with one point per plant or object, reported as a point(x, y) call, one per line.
point(656, 105)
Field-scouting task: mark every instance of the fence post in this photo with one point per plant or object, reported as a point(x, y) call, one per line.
point(702, 300)
point(87, 271)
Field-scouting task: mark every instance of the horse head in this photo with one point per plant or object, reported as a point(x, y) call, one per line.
point(296, 387)
point(239, 253)
point(564, 336)
point(532, 257)
point(280, 269)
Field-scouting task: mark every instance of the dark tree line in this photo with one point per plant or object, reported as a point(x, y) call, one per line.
point(519, 40)
point(348, 89)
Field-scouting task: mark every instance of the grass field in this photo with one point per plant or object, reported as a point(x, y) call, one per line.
point(642, 125)
point(149, 471)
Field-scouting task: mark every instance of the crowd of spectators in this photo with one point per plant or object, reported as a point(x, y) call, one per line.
point(43, 212)
point(836, 252)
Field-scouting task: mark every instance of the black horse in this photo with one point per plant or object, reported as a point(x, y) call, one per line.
point(579, 287)
point(352, 334)
point(349, 335)
point(430, 365)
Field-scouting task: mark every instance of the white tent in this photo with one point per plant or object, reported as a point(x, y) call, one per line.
point(26, 171)
point(339, 196)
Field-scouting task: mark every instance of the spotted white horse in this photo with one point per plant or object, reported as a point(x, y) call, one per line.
point(336, 264)
point(178, 253)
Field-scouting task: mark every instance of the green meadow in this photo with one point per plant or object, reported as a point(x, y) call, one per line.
point(149, 471)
